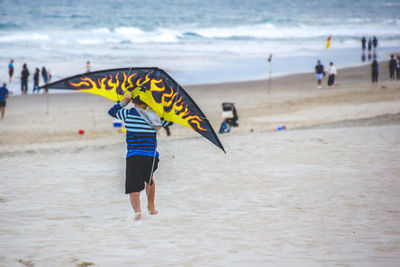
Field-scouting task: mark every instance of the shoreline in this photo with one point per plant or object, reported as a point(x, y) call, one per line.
point(284, 76)
point(218, 70)
point(278, 78)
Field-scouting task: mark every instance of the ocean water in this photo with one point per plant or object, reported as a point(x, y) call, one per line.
point(195, 41)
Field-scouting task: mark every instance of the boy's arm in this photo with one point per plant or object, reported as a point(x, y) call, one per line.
point(118, 111)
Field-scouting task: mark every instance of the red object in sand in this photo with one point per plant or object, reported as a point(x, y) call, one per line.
point(81, 132)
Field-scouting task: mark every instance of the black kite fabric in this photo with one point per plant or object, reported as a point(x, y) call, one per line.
point(154, 87)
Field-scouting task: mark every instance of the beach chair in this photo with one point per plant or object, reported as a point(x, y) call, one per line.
point(229, 114)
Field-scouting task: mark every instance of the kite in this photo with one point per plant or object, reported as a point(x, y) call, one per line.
point(154, 87)
point(328, 42)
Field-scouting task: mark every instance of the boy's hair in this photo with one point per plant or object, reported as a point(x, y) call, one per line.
point(137, 101)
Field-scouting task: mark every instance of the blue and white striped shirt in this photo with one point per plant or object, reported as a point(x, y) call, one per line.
point(141, 138)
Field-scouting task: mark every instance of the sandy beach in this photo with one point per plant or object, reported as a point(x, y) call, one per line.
point(325, 192)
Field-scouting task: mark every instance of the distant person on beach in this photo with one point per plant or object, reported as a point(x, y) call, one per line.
point(398, 68)
point(332, 72)
point(45, 76)
point(363, 43)
point(375, 43)
point(142, 157)
point(36, 80)
point(3, 97)
point(369, 45)
point(392, 67)
point(11, 69)
point(24, 79)
point(88, 67)
point(369, 48)
point(363, 47)
point(319, 73)
point(375, 72)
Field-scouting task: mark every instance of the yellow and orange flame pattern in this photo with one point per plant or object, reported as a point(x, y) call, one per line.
point(168, 103)
point(107, 86)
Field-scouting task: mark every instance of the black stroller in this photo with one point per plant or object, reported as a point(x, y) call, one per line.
point(230, 117)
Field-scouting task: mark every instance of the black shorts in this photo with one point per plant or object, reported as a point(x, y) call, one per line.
point(2, 103)
point(138, 171)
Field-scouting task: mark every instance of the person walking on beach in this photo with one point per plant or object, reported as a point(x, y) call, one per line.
point(11, 69)
point(3, 97)
point(369, 45)
point(375, 43)
point(363, 46)
point(36, 80)
point(375, 73)
point(392, 67)
point(363, 42)
point(398, 68)
point(45, 76)
point(88, 67)
point(332, 74)
point(369, 48)
point(24, 79)
point(142, 158)
point(319, 73)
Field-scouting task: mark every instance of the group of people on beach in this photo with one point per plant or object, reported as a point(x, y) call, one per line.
point(372, 45)
point(46, 75)
point(394, 71)
point(320, 73)
point(4, 92)
point(394, 67)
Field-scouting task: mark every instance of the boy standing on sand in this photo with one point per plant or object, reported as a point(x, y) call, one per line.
point(375, 72)
point(141, 125)
point(11, 69)
point(392, 67)
point(319, 73)
point(3, 96)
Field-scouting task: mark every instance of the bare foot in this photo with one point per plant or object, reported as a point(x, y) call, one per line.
point(138, 215)
point(153, 211)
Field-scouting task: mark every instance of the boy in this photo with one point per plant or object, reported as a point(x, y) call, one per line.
point(3, 96)
point(319, 73)
point(141, 125)
point(11, 69)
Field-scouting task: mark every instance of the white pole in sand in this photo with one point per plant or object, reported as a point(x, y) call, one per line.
point(270, 73)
